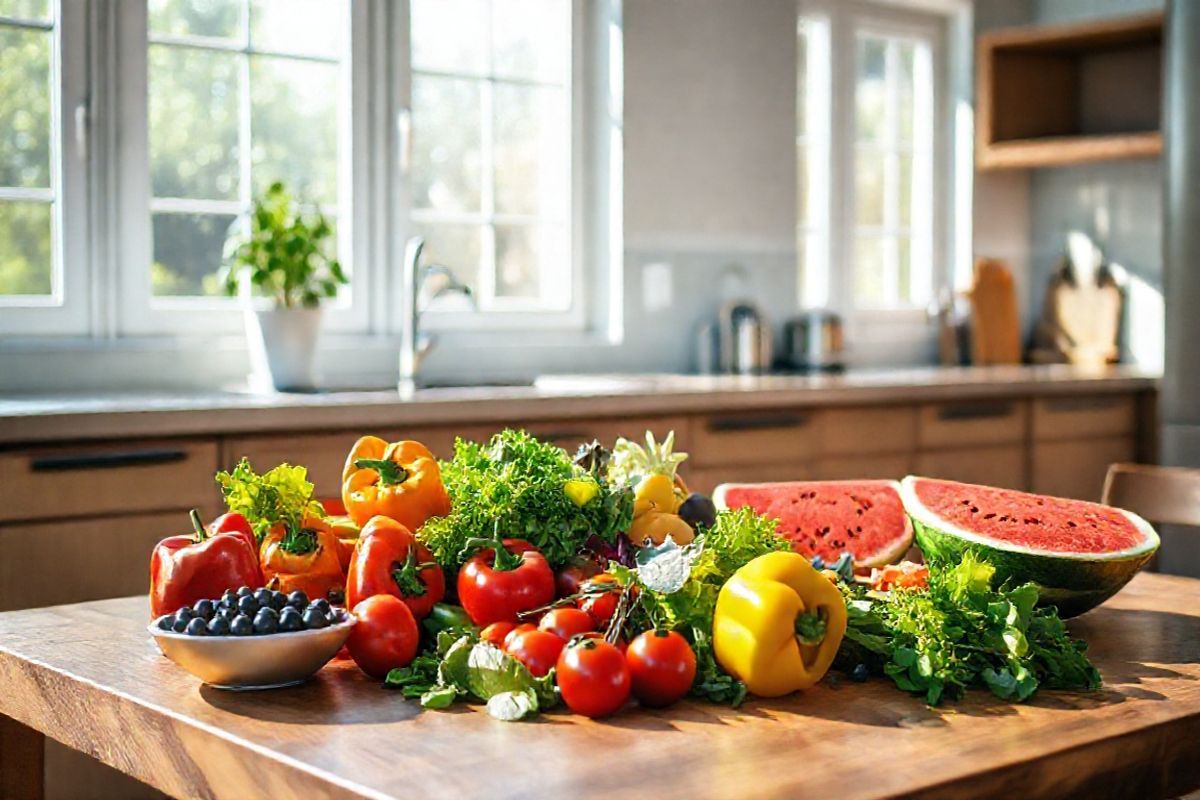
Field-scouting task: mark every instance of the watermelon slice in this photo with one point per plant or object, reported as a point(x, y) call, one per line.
point(1078, 553)
point(828, 518)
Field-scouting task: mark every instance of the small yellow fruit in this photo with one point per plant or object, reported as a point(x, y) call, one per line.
point(655, 493)
point(656, 526)
point(581, 492)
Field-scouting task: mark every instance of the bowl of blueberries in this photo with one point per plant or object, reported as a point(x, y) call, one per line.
point(253, 638)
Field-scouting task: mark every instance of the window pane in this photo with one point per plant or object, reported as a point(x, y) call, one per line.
point(214, 18)
point(25, 9)
point(904, 90)
point(312, 27)
point(532, 161)
point(447, 156)
point(193, 123)
point(905, 290)
point(455, 246)
point(449, 35)
point(26, 233)
point(869, 268)
point(801, 78)
point(24, 108)
point(905, 170)
point(531, 39)
point(802, 186)
point(293, 123)
point(871, 91)
point(187, 253)
point(532, 263)
point(868, 189)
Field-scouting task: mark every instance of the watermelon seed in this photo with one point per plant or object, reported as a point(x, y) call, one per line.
point(974, 509)
point(858, 528)
point(989, 515)
point(1071, 524)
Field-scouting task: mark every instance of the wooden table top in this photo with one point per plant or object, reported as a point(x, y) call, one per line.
point(88, 675)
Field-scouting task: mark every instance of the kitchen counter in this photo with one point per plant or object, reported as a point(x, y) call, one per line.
point(72, 418)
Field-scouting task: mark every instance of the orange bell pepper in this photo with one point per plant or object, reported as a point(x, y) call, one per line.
point(304, 559)
point(400, 480)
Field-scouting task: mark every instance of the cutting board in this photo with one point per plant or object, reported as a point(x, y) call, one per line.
point(995, 325)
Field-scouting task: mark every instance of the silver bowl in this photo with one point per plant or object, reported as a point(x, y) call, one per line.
point(254, 662)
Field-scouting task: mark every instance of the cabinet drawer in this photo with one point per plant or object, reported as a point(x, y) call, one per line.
point(49, 563)
point(854, 431)
point(1002, 466)
point(891, 466)
point(85, 480)
point(324, 454)
point(1076, 469)
point(705, 480)
point(1080, 417)
point(771, 437)
point(958, 423)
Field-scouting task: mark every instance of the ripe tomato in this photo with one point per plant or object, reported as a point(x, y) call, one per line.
point(571, 577)
point(516, 631)
point(593, 677)
point(495, 585)
point(537, 650)
point(496, 632)
point(566, 622)
point(386, 635)
point(621, 644)
point(662, 667)
point(601, 606)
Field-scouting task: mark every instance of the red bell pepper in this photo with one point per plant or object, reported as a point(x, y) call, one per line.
point(388, 559)
point(184, 569)
point(498, 583)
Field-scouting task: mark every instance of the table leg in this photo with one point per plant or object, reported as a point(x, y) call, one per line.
point(22, 753)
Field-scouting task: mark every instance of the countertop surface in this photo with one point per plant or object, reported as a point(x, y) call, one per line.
point(97, 416)
point(90, 676)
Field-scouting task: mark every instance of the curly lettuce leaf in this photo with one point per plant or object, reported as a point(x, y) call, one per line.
point(280, 495)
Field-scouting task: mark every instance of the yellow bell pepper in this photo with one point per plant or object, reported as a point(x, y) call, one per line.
point(778, 624)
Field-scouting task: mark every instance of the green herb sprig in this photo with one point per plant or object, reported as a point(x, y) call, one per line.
point(282, 495)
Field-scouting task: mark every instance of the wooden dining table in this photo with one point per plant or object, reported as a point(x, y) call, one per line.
point(91, 677)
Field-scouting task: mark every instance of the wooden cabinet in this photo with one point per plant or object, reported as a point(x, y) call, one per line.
point(868, 430)
point(889, 466)
point(787, 438)
point(994, 465)
point(1084, 416)
point(708, 478)
point(972, 422)
point(1076, 468)
point(119, 478)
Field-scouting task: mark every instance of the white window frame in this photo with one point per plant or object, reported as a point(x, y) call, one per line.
point(904, 334)
point(66, 311)
point(139, 313)
point(594, 205)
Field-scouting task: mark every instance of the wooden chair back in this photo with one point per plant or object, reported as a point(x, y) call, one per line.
point(1168, 495)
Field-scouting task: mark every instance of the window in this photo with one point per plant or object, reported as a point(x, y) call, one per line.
point(240, 93)
point(872, 239)
point(491, 157)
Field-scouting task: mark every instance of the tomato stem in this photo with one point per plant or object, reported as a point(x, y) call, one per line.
point(502, 560)
point(408, 575)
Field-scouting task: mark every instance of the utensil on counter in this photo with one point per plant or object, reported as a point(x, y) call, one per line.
point(813, 342)
point(1081, 316)
point(744, 338)
point(254, 662)
point(995, 325)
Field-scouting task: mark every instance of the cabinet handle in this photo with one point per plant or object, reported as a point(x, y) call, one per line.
point(962, 411)
point(756, 423)
point(121, 458)
point(1094, 403)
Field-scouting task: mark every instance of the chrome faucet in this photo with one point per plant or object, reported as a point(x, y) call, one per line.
point(414, 345)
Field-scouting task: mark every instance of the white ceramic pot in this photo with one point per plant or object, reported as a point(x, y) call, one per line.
point(283, 346)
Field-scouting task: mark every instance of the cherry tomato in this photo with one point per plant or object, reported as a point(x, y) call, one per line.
point(662, 667)
point(593, 677)
point(621, 644)
point(537, 650)
point(497, 589)
point(386, 635)
point(601, 606)
point(516, 631)
point(496, 632)
point(571, 577)
point(566, 622)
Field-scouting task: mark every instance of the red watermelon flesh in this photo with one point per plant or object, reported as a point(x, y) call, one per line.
point(1046, 524)
point(827, 518)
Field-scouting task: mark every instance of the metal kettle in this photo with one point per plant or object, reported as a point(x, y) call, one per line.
point(744, 339)
point(813, 342)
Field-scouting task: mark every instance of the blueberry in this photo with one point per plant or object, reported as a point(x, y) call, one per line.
point(185, 613)
point(227, 614)
point(320, 604)
point(241, 626)
point(164, 622)
point(266, 621)
point(337, 597)
point(263, 596)
point(229, 599)
point(298, 600)
point(204, 609)
point(313, 618)
point(860, 673)
point(290, 620)
point(218, 626)
point(196, 627)
point(278, 600)
point(244, 591)
point(247, 604)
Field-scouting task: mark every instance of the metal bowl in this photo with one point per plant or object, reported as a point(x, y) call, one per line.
point(254, 662)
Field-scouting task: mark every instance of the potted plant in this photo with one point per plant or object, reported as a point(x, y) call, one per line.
point(283, 253)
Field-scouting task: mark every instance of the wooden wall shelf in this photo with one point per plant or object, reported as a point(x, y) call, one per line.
point(1056, 95)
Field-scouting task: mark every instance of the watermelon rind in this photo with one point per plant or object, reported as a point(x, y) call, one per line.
point(1072, 582)
point(891, 552)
